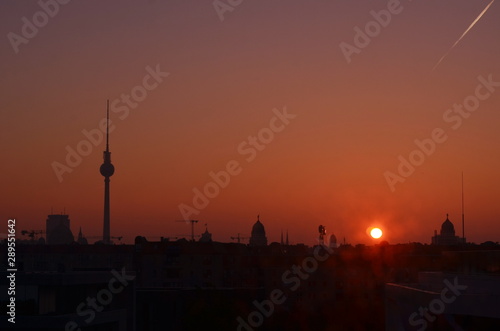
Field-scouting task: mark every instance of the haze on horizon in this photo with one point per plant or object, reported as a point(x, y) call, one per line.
point(226, 82)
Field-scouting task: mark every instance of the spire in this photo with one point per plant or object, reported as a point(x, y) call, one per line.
point(463, 217)
point(287, 237)
point(107, 126)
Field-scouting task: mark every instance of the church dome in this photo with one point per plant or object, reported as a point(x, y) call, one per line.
point(258, 237)
point(206, 237)
point(258, 228)
point(447, 227)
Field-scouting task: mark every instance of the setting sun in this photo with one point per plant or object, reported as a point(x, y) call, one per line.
point(376, 233)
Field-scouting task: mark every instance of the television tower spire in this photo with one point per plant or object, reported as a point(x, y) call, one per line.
point(463, 217)
point(107, 170)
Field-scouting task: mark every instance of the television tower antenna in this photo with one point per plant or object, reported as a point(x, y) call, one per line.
point(463, 217)
point(107, 170)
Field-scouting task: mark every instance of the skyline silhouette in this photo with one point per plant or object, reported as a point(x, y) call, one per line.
point(280, 165)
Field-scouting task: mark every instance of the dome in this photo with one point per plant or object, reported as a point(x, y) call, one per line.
point(140, 240)
point(258, 237)
point(258, 228)
point(83, 241)
point(447, 227)
point(206, 237)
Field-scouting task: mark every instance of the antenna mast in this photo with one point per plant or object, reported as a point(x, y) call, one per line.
point(107, 126)
point(107, 170)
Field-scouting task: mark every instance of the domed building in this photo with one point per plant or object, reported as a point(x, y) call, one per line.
point(446, 235)
point(258, 237)
point(206, 237)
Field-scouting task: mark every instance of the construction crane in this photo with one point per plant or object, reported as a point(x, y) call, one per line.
point(192, 226)
point(31, 233)
point(239, 238)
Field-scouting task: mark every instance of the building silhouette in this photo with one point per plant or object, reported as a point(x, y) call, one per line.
point(185, 285)
point(447, 235)
point(81, 239)
point(258, 237)
point(189, 285)
point(58, 230)
point(206, 236)
point(461, 295)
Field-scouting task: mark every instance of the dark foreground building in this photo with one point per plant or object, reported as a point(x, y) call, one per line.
point(83, 300)
point(181, 285)
point(465, 296)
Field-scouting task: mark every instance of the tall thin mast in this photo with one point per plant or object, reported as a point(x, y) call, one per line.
point(463, 217)
point(107, 127)
point(107, 170)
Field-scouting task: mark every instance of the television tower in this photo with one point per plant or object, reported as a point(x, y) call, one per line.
point(107, 170)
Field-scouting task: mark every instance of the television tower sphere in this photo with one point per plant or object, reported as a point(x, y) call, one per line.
point(107, 169)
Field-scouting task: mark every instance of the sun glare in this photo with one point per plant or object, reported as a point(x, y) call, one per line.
point(376, 233)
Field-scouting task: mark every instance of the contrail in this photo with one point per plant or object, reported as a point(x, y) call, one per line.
point(463, 34)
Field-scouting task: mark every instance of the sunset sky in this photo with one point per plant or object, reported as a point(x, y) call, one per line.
point(227, 79)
